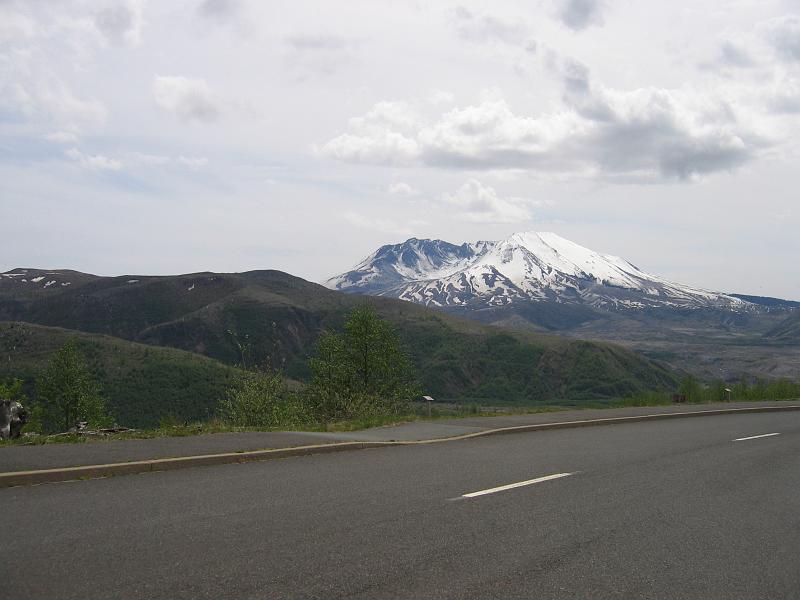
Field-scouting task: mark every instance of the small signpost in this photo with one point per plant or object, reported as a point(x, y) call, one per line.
point(428, 400)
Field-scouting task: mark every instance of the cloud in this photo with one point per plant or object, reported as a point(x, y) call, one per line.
point(579, 14)
point(483, 29)
point(648, 131)
point(378, 224)
point(149, 160)
point(385, 135)
point(642, 134)
point(60, 103)
point(194, 163)
point(96, 162)
point(14, 26)
point(733, 53)
point(441, 97)
point(62, 137)
point(480, 203)
point(319, 53)
point(784, 98)
point(400, 188)
point(190, 99)
point(783, 33)
point(218, 9)
point(49, 100)
point(121, 22)
point(317, 42)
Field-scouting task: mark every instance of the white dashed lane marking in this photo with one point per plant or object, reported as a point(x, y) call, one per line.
point(511, 486)
point(755, 437)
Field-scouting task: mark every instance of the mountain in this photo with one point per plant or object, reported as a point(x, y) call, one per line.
point(787, 330)
point(543, 282)
point(277, 318)
point(532, 266)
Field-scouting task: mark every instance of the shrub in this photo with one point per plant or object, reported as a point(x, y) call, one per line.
point(262, 400)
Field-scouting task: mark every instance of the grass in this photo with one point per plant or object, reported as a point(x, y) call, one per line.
point(420, 415)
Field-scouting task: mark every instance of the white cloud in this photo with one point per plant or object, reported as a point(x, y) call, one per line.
point(319, 53)
point(441, 97)
point(480, 203)
point(385, 135)
point(640, 134)
point(49, 100)
point(190, 99)
point(63, 106)
point(62, 137)
point(784, 97)
point(486, 28)
point(121, 22)
point(400, 188)
point(579, 14)
point(378, 224)
point(150, 160)
point(783, 33)
point(734, 53)
point(219, 9)
point(193, 162)
point(14, 26)
point(96, 162)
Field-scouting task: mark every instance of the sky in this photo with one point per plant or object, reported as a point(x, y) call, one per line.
point(162, 137)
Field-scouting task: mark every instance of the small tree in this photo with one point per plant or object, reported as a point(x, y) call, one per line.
point(362, 370)
point(690, 388)
point(66, 392)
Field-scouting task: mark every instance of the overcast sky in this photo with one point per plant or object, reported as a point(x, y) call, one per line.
point(177, 136)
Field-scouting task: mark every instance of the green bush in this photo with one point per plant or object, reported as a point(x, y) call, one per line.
point(262, 400)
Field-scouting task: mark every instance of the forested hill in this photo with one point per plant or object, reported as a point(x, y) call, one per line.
point(270, 317)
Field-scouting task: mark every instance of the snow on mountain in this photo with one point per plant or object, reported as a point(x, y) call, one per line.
point(35, 278)
point(413, 260)
point(534, 266)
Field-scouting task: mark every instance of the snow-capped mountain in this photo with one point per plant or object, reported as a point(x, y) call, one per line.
point(530, 266)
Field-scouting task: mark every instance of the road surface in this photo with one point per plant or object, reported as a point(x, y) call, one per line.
point(686, 508)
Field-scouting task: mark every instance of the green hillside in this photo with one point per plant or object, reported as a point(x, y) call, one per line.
point(277, 318)
point(141, 384)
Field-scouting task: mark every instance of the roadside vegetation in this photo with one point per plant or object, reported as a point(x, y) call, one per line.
point(361, 375)
point(693, 391)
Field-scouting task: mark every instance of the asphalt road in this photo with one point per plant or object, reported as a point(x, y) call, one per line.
point(669, 509)
point(50, 456)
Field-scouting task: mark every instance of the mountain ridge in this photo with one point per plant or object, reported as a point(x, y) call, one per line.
point(527, 266)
